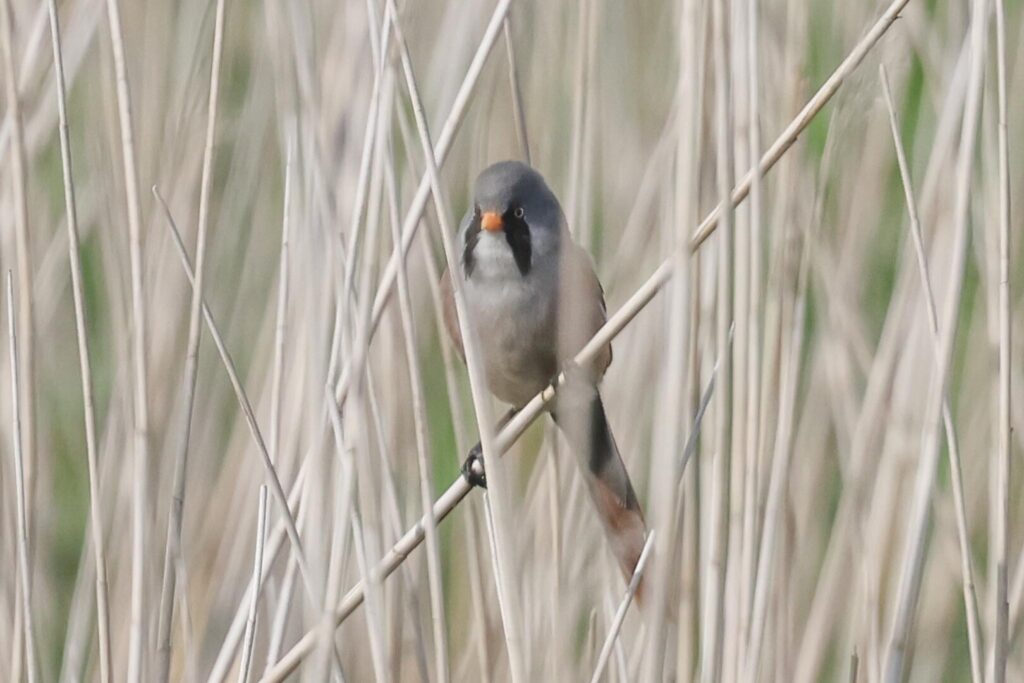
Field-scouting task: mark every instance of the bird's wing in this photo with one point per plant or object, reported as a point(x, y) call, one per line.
point(580, 412)
point(582, 310)
point(451, 316)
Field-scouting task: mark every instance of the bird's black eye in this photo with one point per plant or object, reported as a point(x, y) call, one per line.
point(518, 213)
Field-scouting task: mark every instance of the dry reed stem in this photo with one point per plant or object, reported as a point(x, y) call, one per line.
point(374, 630)
point(250, 417)
point(789, 136)
point(620, 613)
point(24, 570)
point(1001, 635)
point(952, 442)
point(257, 583)
point(714, 622)
point(664, 488)
point(174, 521)
point(832, 575)
point(422, 437)
point(778, 477)
point(753, 275)
point(281, 315)
point(419, 202)
point(518, 111)
point(640, 298)
point(580, 94)
point(498, 496)
point(236, 631)
point(140, 424)
point(912, 563)
point(85, 366)
point(23, 251)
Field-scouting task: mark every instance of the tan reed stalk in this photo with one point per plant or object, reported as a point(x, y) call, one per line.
point(24, 568)
point(714, 620)
point(1001, 608)
point(23, 253)
point(780, 462)
point(952, 442)
point(174, 520)
point(914, 552)
point(422, 437)
point(140, 394)
point(518, 111)
point(498, 496)
point(250, 416)
point(640, 298)
point(85, 365)
point(257, 583)
point(620, 612)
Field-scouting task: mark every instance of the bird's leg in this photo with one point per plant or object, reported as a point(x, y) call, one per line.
point(473, 467)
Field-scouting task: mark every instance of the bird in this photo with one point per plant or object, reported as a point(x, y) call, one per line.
point(534, 300)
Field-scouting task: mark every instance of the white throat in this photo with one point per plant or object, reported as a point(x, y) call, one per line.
point(492, 258)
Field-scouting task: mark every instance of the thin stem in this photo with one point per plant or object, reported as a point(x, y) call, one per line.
point(250, 417)
point(236, 631)
point(140, 429)
point(914, 551)
point(966, 565)
point(420, 426)
point(19, 483)
point(1001, 609)
point(752, 314)
point(85, 366)
point(173, 542)
point(789, 136)
point(498, 493)
point(257, 583)
point(779, 472)
point(581, 73)
point(419, 202)
point(713, 623)
point(281, 317)
point(620, 613)
point(615, 324)
point(23, 249)
point(518, 111)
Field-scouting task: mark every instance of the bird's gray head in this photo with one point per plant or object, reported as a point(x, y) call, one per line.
point(515, 214)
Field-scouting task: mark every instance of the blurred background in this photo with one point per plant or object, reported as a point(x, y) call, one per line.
point(847, 507)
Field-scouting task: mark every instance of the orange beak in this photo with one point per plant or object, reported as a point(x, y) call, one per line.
point(491, 221)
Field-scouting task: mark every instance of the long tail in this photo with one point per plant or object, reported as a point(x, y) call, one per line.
point(580, 415)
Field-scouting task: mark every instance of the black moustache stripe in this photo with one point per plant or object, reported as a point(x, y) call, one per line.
point(517, 234)
point(472, 235)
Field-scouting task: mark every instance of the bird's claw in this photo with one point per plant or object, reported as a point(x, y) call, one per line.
point(473, 467)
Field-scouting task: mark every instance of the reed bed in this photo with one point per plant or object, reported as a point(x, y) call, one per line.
point(231, 416)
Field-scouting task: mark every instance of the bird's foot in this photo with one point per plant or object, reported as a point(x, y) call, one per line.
point(473, 467)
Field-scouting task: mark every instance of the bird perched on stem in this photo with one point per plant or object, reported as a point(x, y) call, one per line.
point(534, 301)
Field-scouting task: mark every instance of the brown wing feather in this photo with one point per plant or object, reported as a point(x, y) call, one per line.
point(582, 311)
point(580, 412)
point(451, 316)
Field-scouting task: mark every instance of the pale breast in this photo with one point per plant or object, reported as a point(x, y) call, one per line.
point(514, 316)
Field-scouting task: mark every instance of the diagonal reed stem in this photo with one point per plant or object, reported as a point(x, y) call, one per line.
point(615, 324)
point(173, 541)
